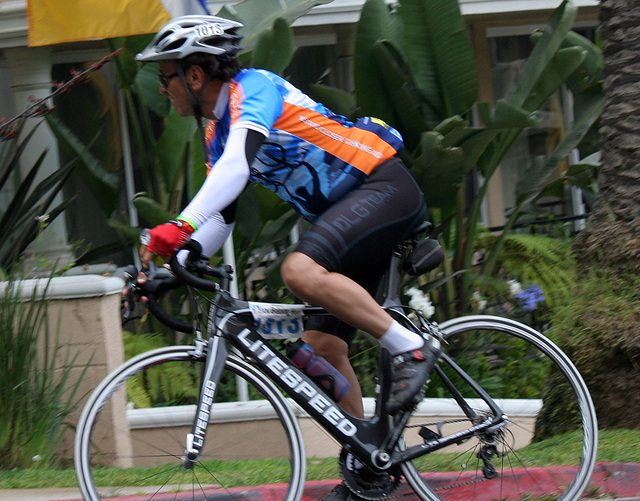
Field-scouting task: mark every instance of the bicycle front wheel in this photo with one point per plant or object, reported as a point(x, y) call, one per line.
point(132, 434)
point(547, 447)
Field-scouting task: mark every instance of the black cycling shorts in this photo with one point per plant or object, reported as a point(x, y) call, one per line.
point(357, 235)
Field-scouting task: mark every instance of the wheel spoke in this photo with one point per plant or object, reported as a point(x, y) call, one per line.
point(529, 378)
point(142, 450)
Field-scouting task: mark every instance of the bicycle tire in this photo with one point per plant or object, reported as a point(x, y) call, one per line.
point(105, 435)
point(528, 469)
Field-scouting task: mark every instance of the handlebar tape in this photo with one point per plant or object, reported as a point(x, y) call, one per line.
point(195, 249)
point(160, 314)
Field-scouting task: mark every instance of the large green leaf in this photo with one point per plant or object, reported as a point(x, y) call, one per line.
point(256, 208)
point(150, 210)
point(197, 172)
point(506, 115)
point(371, 98)
point(103, 184)
point(248, 215)
point(590, 70)
point(543, 52)
point(580, 175)
point(563, 64)
point(473, 141)
point(337, 100)
point(132, 234)
point(259, 15)
point(513, 120)
point(439, 170)
point(440, 52)
point(275, 48)
point(125, 63)
point(412, 115)
point(533, 180)
point(148, 84)
point(170, 150)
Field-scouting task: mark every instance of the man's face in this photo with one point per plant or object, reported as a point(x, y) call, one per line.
point(172, 86)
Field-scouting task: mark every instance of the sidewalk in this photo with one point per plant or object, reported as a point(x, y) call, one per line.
point(619, 481)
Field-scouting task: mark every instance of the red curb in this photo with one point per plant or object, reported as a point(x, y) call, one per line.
point(621, 479)
point(609, 479)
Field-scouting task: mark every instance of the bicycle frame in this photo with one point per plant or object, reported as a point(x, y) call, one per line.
point(373, 441)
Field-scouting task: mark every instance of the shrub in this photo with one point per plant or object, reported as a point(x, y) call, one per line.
point(597, 329)
point(34, 393)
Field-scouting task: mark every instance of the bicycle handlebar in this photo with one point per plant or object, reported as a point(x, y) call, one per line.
point(161, 280)
point(199, 265)
point(166, 319)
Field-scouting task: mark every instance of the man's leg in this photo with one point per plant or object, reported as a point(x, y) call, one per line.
point(336, 293)
point(350, 302)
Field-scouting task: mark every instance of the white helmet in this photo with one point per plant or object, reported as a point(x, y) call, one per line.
point(187, 35)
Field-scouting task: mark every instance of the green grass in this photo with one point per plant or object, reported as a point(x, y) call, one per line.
point(615, 446)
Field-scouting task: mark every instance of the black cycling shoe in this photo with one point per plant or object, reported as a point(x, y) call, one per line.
point(410, 373)
point(342, 493)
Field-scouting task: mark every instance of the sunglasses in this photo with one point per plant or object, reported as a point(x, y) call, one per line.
point(164, 79)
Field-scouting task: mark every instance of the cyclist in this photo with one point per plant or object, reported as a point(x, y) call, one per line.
point(343, 177)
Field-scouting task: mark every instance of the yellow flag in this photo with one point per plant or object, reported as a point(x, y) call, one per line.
point(58, 21)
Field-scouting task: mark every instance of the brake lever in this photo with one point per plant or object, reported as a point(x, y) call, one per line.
point(131, 276)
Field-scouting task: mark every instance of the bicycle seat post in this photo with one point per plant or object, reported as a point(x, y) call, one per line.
point(392, 283)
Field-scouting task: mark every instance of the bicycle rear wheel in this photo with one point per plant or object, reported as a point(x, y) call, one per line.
point(124, 450)
point(546, 449)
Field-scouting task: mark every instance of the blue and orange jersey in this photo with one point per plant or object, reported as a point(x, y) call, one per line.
point(311, 157)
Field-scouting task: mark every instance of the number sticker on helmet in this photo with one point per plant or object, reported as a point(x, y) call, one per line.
point(208, 30)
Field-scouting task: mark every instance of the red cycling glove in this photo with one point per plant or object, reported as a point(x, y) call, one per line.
point(169, 237)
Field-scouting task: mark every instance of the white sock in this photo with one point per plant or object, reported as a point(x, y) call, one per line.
point(399, 339)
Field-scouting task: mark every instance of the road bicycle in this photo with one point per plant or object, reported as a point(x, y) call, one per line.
point(510, 397)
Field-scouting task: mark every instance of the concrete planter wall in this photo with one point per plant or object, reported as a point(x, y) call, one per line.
point(149, 426)
point(84, 311)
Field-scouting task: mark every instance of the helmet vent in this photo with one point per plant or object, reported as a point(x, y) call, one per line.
point(175, 45)
point(214, 41)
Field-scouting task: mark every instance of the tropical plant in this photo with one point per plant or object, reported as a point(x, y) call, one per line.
point(544, 260)
point(35, 393)
point(160, 385)
point(414, 68)
point(32, 203)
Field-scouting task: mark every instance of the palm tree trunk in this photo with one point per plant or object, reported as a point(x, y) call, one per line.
point(612, 237)
point(602, 329)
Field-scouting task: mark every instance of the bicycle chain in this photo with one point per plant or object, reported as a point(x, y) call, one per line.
point(436, 489)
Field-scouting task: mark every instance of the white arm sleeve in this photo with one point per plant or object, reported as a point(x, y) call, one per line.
point(224, 184)
point(211, 235)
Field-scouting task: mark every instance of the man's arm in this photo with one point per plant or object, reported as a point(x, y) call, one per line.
point(227, 179)
point(213, 204)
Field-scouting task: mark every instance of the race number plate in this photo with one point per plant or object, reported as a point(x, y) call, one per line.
point(278, 321)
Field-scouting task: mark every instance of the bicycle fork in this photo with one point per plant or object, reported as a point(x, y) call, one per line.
point(217, 353)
